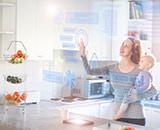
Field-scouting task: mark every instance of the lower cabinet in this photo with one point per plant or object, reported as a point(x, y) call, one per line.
point(148, 114)
point(155, 118)
point(90, 110)
point(101, 110)
point(105, 110)
point(152, 117)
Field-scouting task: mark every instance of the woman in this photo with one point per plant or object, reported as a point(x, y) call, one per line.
point(122, 77)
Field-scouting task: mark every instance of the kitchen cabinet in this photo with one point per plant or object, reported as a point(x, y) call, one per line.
point(91, 110)
point(148, 115)
point(26, 25)
point(7, 23)
point(152, 117)
point(155, 117)
point(119, 26)
point(105, 110)
point(35, 28)
point(102, 109)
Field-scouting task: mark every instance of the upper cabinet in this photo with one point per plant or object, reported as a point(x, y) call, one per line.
point(7, 23)
point(44, 25)
point(140, 22)
point(26, 25)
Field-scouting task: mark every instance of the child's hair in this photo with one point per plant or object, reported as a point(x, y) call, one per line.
point(152, 59)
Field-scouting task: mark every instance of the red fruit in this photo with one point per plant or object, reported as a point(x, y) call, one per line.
point(23, 96)
point(19, 52)
point(24, 56)
point(16, 93)
point(14, 97)
point(16, 56)
point(8, 96)
point(19, 99)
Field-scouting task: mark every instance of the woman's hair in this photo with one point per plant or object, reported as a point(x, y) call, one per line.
point(137, 50)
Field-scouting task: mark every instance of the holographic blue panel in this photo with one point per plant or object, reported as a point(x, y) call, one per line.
point(82, 18)
point(53, 76)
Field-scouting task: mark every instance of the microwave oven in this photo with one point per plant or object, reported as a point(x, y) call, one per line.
point(96, 88)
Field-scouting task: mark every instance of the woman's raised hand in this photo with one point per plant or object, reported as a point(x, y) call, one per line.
point(82, 47)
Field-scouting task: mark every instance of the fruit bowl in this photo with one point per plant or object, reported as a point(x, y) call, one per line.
point(16, 58)
point(15, 53)
point(16, 97)
point(15, 79)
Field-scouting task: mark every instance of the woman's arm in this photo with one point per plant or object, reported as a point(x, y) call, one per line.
point(94, 71)
point(88, 68)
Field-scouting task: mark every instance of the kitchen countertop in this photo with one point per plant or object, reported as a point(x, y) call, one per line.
point(44, 116)
point(152, 103)
point(82, 102)
point(149, 103)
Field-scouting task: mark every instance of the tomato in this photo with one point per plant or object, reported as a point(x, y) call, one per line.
point(8, 96)
point(19, 99)
point(23, 96)
point(16, 93)
point(19, 52)
point(24, 56)
point(14, 97)
point(129, 128)
point(15, 55)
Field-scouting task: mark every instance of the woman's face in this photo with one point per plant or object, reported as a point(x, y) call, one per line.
point(125, 49)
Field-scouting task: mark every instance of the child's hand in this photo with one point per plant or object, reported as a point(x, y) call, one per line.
point(117, 116)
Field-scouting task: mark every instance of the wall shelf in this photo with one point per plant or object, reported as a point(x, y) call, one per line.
point(6, 32)
point(6, 4)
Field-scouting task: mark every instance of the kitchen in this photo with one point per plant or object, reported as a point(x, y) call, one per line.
point(46, 35)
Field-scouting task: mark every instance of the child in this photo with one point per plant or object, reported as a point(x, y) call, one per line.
point(143, 84)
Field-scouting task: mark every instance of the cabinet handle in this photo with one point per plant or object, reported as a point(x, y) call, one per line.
point(157, 111)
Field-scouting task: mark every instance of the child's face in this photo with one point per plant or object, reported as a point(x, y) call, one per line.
point(145, 63)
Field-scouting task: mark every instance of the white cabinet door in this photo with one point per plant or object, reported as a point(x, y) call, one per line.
point(148, 115)
point(90, 110)
point(26, 25)
point(7, 24)
point(106, 110)
point(155, 118)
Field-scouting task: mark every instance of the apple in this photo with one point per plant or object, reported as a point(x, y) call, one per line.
point(21, 60)
point(16, 60)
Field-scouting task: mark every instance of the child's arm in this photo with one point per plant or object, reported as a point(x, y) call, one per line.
point(143, 82)
point(145, 89)
point(122, 109)
point(130, 97)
